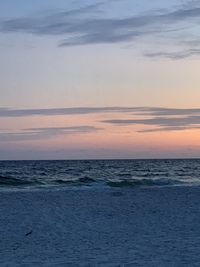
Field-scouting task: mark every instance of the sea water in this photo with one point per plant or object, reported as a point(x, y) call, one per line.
point(113, 173)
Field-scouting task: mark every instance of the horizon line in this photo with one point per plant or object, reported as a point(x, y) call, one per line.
point(105, 159)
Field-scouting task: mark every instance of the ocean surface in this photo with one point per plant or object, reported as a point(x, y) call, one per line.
point(111, 173)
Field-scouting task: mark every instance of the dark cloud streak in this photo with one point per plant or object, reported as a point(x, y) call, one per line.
point(175, 55)
point(161, 123)
point(169, 129)
point(80, 28)
point(45, 133)
point(6, 112)
point(143, 111)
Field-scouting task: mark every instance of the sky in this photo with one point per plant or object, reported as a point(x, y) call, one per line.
point(99, 79)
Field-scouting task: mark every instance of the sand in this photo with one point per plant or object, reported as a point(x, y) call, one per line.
point(100, 227)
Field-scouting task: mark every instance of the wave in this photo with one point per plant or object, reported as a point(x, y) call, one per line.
point(10, 181)
point(142, 182)
point(79, 181)
point(88, 181)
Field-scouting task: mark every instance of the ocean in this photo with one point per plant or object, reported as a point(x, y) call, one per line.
point(113, 173)
point(100, 213)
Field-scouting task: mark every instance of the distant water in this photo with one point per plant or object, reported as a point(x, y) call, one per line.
point(113, 173)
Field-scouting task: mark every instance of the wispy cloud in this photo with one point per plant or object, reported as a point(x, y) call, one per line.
point(160, 111)
point(44, 133)
point(78, 27)
point(161, 123)
point(149, 111)
point(175, 55)
point(7, 112)
point(169, 129)
point(157, 118)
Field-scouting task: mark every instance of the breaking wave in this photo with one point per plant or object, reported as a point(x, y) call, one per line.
point(80, 181)
point(142, 182)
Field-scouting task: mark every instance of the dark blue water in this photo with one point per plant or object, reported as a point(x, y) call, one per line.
point(115, 173)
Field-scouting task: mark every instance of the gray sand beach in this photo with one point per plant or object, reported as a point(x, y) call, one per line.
point(100, 227)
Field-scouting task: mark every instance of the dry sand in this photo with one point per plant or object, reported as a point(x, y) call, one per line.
point(100, 227)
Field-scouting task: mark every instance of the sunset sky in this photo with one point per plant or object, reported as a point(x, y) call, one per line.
point(99, 79)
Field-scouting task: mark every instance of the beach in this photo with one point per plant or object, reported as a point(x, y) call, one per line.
point(88, 226)
point(100, 133)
